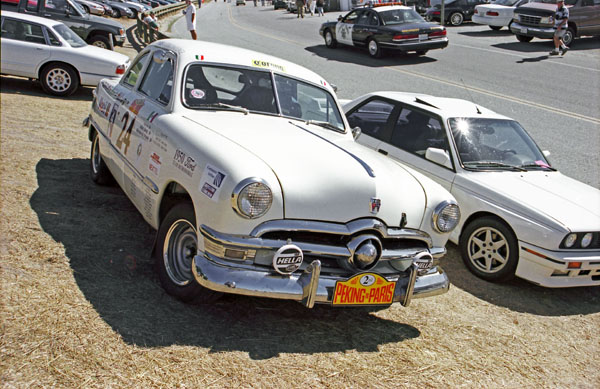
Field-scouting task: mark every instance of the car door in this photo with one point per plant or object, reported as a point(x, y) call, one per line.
point(67, 13)
point(418, 138)
point(587, 17)
point(361, 30)
point(24, 47)
point(344, 28)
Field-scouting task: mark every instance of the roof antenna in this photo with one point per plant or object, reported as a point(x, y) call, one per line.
point(470, 97)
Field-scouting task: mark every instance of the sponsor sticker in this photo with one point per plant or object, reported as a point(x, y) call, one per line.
point(364, 289)
point(266, 64)
point(154, 164)
point(288, 259)
point(184, 162)
point(211, 181)
point(197, 93)
point(137, 105)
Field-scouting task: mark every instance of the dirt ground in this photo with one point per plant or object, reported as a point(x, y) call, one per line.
point(80, 305)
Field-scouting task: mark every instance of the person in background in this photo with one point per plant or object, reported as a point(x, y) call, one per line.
point(311, 7)
point(320, 7)
point(151, 20)
point(561, 22)
point(300, 8)
point(190, 18)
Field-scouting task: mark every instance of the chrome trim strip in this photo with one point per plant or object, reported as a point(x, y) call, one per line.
point(360, 161)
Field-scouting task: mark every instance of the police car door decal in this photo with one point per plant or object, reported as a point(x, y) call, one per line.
point(343, 33)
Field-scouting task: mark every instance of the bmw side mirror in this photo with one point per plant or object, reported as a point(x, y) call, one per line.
point(356, 131)
point(340, 18)
point(438, 156)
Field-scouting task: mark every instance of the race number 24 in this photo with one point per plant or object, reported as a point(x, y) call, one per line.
point(125, 135)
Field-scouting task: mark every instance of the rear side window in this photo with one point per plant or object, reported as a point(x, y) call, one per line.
point(23, 31)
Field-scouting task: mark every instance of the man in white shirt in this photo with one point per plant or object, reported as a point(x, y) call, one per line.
point(190, 18)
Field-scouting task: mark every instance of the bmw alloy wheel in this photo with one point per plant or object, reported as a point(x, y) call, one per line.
point(488, 250)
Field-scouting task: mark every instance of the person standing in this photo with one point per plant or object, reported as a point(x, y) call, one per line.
point(320, 7)
point(190, 18)
point(300, 8)
point(311, 7)
point(561, 19)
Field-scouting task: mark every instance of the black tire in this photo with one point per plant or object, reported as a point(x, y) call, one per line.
point(373, 48)
point(176, 245)
point(489, 249)
point(496, 28)
point(421, 52)
point(329, 39)
point(98, 170)
point(100, 41)
point(523, 38)
point(116, 13)
point(59, 79)
point(456, 19)
point(568, 37)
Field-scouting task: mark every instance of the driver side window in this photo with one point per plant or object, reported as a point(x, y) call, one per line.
point(351, 18)
point(415, 132)
point(132, 75)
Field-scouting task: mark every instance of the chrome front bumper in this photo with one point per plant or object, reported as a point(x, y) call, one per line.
point(308, 287)
point(538, 32)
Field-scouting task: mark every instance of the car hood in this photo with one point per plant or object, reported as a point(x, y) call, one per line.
point(323, 175)
point(104, 21)
point(552, 195)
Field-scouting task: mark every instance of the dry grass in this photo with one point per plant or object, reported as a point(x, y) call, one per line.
point(81, 307)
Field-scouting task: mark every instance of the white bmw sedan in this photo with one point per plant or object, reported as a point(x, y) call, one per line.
point(48, 50)
point(246, 166)
point(518, 214)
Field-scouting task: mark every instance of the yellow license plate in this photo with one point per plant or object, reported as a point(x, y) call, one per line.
point(364, 289)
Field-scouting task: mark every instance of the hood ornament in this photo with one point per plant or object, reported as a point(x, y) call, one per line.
point(375, 205)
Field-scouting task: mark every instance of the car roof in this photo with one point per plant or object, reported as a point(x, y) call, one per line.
point(193, 51)
point(388, 8)
point(31, 18)
point(443, 106)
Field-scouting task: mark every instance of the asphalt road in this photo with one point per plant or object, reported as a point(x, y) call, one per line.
point(556, 99)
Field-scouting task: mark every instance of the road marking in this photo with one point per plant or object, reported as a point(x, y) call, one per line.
point(447, 82)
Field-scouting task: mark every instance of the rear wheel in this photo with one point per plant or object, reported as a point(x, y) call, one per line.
point(59, 79)
point(523, 38)
point(456, 19)
point(568, 37)
point(374, 48)
point(329, 39)
point(496, 28)
point(116, 13)
point(177, 244)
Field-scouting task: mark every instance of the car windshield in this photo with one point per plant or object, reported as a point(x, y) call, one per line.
point(400, 16)
point(495, 143)
point(260, 91)
point(67, 34)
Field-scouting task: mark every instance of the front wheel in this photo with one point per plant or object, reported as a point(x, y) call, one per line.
point(456, 19)
point(100, 41)
point(330, 40)
point(568, 37)
point(523, 38)
point(489, 249)
point(177, 244)
point(116, 13)
point(59, 79)
point(374, 48)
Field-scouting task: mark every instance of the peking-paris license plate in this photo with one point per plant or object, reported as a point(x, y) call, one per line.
point(364, 289)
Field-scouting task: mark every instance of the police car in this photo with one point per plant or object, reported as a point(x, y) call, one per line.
point(246, 166)
point(380, 27)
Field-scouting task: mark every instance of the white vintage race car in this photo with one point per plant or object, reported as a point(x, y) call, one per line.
point(519, 215)
point(246, 166)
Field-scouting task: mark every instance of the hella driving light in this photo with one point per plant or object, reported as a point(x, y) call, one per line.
point(446, 216)
point(251, 198)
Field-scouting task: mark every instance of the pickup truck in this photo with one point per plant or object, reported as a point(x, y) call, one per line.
point(536, 20)
point(94, 30)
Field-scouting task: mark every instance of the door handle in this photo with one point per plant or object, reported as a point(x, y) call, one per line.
point(383, 152)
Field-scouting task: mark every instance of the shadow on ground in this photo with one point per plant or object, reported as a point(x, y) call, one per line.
point(23, 86)
point(108, 245)
point(360, 56)
point(519, 295)
point(545, 45)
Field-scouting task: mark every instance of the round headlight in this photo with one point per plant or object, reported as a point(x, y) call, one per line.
point(570, 241)
point(252, 198)
point(446, 216)
point(586, 240)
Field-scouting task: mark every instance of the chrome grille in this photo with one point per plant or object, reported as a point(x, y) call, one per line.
point(530, 20)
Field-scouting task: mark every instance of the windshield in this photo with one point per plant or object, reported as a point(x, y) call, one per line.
point(229, 88)
point(489, 142)
point(400, 16)
point(67, 34)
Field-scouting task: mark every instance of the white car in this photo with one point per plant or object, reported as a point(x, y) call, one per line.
point(246, 166)
point(48, 50)
point(91, 7)
point(518, 214)
point(497, 14)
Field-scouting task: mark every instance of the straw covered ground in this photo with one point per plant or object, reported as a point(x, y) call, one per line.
point(80, 305)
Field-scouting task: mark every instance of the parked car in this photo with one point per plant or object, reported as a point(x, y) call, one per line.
point(246, 166)
point(393, 27)
point(240, 2)
point(497, 14)
point(455, 11)
point(519, 216)
point(49, 51)
point(536, 20)
point(279, 4)
point(91, 7)
point(119, 9)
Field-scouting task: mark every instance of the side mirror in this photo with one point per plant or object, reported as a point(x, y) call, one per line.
point(340, 18)
point(438, 156)
point(334, 87)
point(546, 153)
point(160, 57)
point(356, 131)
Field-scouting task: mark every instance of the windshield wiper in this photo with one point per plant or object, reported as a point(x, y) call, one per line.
point(535, 165)
point(324, 125)
point(494, 164)
point(226, 106)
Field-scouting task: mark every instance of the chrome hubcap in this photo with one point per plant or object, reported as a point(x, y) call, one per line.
point(100, 44)
point(58, 80)
point(373, 47)
point(328, 38)
point(96, 158)
point(179, 250)
point(488, 250)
